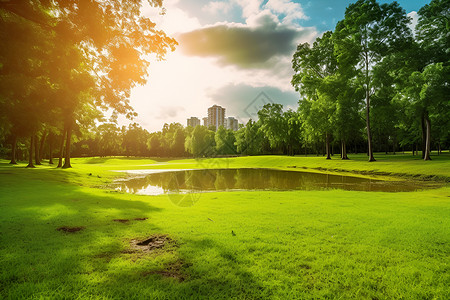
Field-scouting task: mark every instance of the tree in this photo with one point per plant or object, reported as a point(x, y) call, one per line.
point(225, 141)
point(107, 42)
point(201, 142)
point(368, 33)
point(23, 76)
point(249, 139)
point(432, 31)
point(428, 94)
point(172, 139)
point(293, 135)
point(177, 146)
point(109, 139)
point(273, 125)
point(135, 140)
point(432, 84)
point(313, 67)
point(154, 144)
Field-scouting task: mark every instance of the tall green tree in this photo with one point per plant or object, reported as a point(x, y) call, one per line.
point(431, 86)
point(368, 33)
point(155, 144)
point(177, 145)
point(173, 138)
point(225, 141)
point(273, 125)
point(135, 140)
point(293, 134)
point(109, 139)
point(315, 67)
point(24, 74)
point(111, 42)
point(428, 95)
point(249, 139)
point(432, 31)
point(201, 143)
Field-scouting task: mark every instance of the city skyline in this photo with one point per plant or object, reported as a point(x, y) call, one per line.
point(216, 117)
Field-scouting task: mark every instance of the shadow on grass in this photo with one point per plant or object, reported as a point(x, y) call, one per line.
point(38, 260)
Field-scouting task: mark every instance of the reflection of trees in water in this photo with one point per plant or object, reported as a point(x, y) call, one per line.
point(191, 181)
point(225, 179)
point(133, 185)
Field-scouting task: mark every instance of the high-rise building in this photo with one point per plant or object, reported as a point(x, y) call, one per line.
point(216, 116)
point(231, 123)
point(193, 121)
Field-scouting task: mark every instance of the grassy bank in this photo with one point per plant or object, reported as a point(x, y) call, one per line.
point(261, 244)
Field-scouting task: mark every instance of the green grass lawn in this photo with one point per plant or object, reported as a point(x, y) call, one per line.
point(245, 245)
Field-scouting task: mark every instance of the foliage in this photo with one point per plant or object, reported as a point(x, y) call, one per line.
point(201, 142)
point(63, 56)
point(273, 125)
point(225, 141)
point(63, 66)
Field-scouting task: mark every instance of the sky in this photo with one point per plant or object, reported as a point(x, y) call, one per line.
point(233, 53)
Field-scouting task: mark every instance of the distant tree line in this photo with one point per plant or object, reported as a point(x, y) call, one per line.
point(371, 85)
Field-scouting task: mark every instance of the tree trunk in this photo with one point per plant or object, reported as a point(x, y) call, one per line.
point(41, 147)
point(13, 150)
point(344, 150)
point(50, 146)
point(68, 142)
point(394, 140)
point(369, 133)
point(386, 149)
point(424, 135)
point(61, 148)
point(30, 154)
point(37, 160)
point(428, 138)
point(328, 145)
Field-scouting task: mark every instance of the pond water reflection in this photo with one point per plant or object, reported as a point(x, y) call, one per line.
point(189, 181)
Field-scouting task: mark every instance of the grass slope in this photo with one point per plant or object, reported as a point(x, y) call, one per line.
point(281, 245)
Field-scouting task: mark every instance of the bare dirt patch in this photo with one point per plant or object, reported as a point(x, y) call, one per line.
point(140, 219)
point(121, 220)
point(69, 229)
point(156, 241)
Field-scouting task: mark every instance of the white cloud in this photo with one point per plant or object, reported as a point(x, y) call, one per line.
point(292, 11)
point(217, 7)
point(289, 10)
point(249, 7)
point(263, 18)
point(414, 19)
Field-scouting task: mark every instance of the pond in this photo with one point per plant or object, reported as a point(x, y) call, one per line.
point(157, 182)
